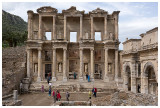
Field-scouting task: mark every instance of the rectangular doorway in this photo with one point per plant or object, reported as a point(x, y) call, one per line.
point(48, 69)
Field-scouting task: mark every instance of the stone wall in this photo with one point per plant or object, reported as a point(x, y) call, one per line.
point(13, 68)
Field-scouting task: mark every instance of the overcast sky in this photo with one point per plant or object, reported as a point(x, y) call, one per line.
point(134, 18)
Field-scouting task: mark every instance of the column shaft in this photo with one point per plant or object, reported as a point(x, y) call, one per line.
point(40, 27)
point(54, 66)
point(105, 27)
point(116, 27)
point(116, 64)
point(133, 77)
point(65, 24)
point(106, 66)
point(81, 19)
point(91, 27)
point(92, 65)
point(54, 36)
point(39, 65)
point(81, 65)
point(64, 64)
point(28, 62)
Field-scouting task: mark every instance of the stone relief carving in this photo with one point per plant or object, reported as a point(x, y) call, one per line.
point(98, 10)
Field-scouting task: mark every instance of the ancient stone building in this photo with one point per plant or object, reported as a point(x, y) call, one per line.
point(140, 63)
point(59, 55)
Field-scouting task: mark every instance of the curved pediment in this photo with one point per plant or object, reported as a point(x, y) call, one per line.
point(47, 9)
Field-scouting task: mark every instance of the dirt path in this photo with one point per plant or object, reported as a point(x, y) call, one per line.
point(42, 99)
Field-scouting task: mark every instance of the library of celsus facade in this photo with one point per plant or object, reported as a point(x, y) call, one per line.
point(75, 42)
point(61, 57)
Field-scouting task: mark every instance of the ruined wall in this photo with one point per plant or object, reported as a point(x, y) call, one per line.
point(13, 68)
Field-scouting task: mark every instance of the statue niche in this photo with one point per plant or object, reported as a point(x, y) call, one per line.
point(109, 68)
point(111, 37)
point(60, 67)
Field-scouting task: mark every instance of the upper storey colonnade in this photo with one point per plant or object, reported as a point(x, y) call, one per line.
point(60, 25)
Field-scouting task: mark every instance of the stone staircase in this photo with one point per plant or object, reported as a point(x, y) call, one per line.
point(76, 86)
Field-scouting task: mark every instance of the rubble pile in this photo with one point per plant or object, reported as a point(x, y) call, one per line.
point(123, 98)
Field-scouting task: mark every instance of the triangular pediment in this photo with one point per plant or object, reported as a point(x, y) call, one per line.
point(98, 10)
point(47, 9)
point(72, 10)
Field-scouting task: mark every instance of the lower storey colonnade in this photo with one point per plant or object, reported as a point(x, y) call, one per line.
point(40, 67)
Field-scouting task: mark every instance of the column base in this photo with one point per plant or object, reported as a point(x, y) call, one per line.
point(80, 79)
point(54, 79)
point(38, 79)
point(116, 79)
point(64, 79)
point(106, 79)
point(133, 89)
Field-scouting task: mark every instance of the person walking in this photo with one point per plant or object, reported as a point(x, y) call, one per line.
point(42, 88)
point(48, 79)
point(49, 92)
point(75, 75)
point(54, 96)
point(89, 95)
point(67, 96)
point(21, 87)
point(58, 96)
point(95, 92)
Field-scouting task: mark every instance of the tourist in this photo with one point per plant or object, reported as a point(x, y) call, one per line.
point(50, 85)
point(21, 87)
point(58, 96)
point(42, 88)
point(49, 92)
point(86, 76)
point(54, 96)
point(89, 95)
point(139, 88)
point(48, 79)
point(75, 75)
point(95, 92)
point(49, 74)
point(67, 96)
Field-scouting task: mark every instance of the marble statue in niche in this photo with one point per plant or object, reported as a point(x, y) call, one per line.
point(111, 36)
point(86, 68)
point(109, 68)
point(60, 67)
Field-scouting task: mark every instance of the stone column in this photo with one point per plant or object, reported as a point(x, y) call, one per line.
point(39, 64)
point(92, 65)
point(65, 28)
point(28, 62)
point(64, 64)
point(106, 79)
point(15, 95)
point(54, 24)
point(91, 27)
point(133, 78)
point(81, 65)
point(30, 16)
point(105, 27)
point(54, 65)
point(116, 65)
point(40, 28)
point(81, 19)
point(116, 27)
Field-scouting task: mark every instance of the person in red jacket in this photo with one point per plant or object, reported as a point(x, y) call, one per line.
point(58, 96)
point(95, 92)
point(54, 96)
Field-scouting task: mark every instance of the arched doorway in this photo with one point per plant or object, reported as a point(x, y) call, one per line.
point(151, 79)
